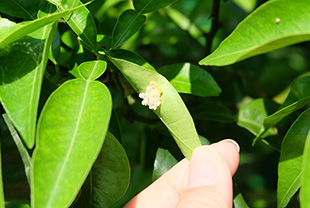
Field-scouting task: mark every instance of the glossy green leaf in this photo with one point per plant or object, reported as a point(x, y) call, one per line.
point(172, 111)
point(20, 146)
point(164, 161)
point(251, 116)
point(21, 8)
point(273, 25)
point(145, 6)
point(109, 176)
point(191, 79)
point(81, 22)
point(298, 97)
point(71, 131)
point(92, 70)
point(10, 32)
point(305, 178)
point(22, 66)
point(127, 25)
point(291, 156)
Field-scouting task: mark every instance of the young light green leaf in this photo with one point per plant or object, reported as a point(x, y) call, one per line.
point(146, 6)
point(92, 70)
point(127, 25)
point(71, 131)
point(273, 25)
point(305, 178)
point(21, 8)
point(22, 67)
point(164, 161)
point(191, 79)
point(10, 32)
point(291, 156)
point(171, 111)
point(81, 21)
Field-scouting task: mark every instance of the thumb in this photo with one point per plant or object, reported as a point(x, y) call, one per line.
point(209, 179)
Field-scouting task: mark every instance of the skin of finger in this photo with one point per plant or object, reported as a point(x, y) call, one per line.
point(216, 195)
point(230, 153)
point(165, 191)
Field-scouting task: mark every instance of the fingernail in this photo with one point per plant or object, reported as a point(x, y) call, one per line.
point(232, 142)
point(204, 167)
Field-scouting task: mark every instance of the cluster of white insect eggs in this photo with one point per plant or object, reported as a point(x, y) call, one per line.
point(152, 96)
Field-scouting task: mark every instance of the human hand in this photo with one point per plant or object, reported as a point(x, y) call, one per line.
point(203, 182)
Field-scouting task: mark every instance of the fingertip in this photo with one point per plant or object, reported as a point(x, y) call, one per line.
point(229, 149)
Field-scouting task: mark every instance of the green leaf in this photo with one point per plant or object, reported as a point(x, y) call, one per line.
point(251, 116)
point(164, 161)
point(131, 57)
point(305, 178)
point(247, 6)
point(92, 70)
point(282, 113)
point(298, 97)
point(172, 111)
point(300, 89)
point(239, 201)
point(109, 176)
point(185, 23)
point(15, 182)
point(291, 156)
point(81, 21)
point(22, 68)
point(273, 25)
point(127, 25)
point(21, 8)
point(191, 79)
point(146, 6)
point(20, 146)
point(71, 131)
point(10, 32)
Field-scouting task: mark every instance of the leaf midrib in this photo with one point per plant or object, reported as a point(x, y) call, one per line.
point(23, 9)
point(80, 30)
point(67, 156)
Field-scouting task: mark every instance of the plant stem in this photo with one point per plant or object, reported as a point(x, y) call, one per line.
point(214, 26)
